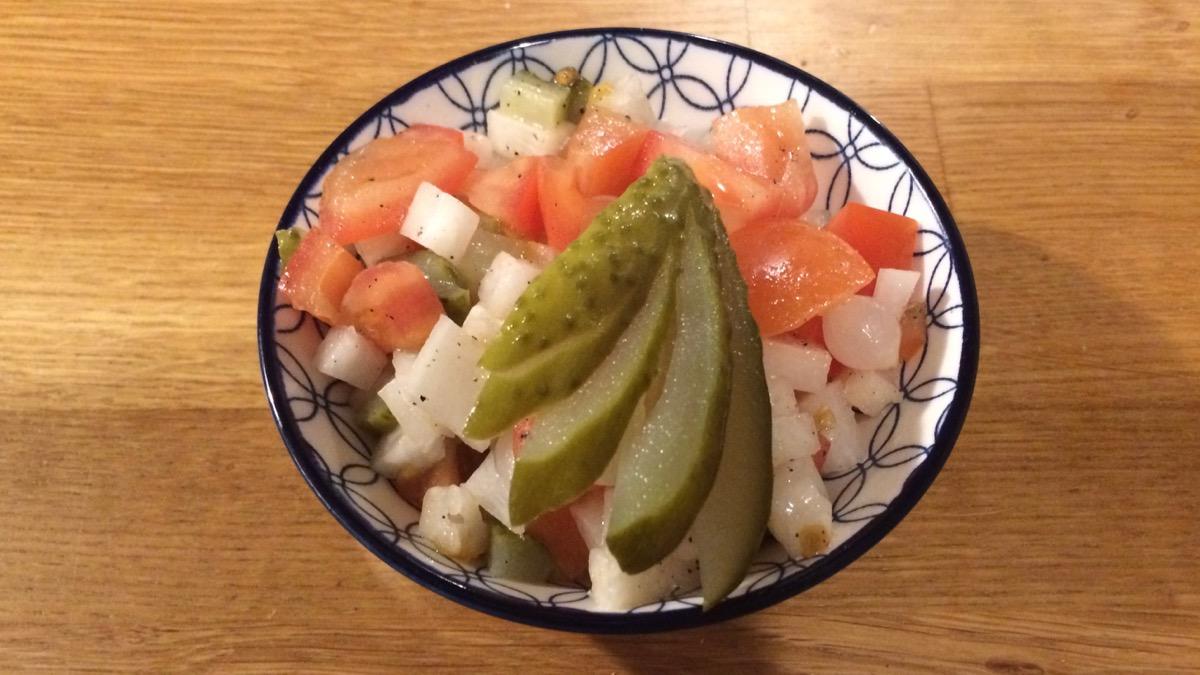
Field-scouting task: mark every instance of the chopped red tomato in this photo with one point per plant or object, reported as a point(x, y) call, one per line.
point(768, 142)
point(393, 304)
point(510, 194)
point(794, 272)
point(740, 197)
point(446, 472)
point(883, 238)
point(368, 192)
point(604, 149)
point(317, 276)
point(556, 530)
point(912, 330)
point(566, 212)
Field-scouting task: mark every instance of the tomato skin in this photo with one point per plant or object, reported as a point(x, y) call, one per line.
point(556, 530)
point(769, 142)
point(509, 193)
point(367, 193)
point(566, 212)
point(604, 150)
point(392, 304)
point(883, 238)
point(318, 275)
point(794, 272)
point(740, 197)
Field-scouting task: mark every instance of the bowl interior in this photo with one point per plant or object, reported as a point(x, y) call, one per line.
point(690, 81)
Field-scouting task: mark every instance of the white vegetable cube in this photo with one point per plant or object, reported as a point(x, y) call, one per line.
point(835, 421)
point(862, 334)
point(894, 288)
point(801, 515)
point(481, 324)
point(871, 391)
point(802, 367)
point(350, 357)
point(412, 419)
point(506, 279)
point(793, 437)
point(613, 590)
point(481, 146)
point(591, 516)
point(408, 453)
point(446, 378)
point(451, 521)
point(382, 246)
point(624, 95)
point(402, 363)
point(439, 222)
point(492, 481)
point(783, 397)
point(512, 136)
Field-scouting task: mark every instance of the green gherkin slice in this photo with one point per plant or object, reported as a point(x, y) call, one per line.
point(511, 556)
point(572, 441)
point(446, 283)
point(729, 528)
point(568, 319)
point(663, 481)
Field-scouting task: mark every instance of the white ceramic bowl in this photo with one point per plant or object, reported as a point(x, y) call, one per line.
point(690, 81)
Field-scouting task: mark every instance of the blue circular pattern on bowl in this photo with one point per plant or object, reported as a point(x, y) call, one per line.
point(689, 80)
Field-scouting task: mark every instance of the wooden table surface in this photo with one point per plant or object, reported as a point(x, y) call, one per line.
point(150, 518)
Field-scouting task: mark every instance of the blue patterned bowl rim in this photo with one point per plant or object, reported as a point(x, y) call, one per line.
point(574, 619)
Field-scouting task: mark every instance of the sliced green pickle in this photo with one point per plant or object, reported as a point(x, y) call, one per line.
point(447, 284)
point(512, 556)
point(534, 100)
point(729, 528)
point(568, 319)
point(662, 483)
point(287, 241)
point(377, 418)
point(572, 441)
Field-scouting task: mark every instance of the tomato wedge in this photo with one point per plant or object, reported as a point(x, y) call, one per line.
point(317, 276)
point(557, 531)
point(604, 150)
point(566, 212)
point(368, 192)
point(509, 193)
point(769, 142)
point(883, 238)
point(740, 197)
point(393, 304)
point(794, 272)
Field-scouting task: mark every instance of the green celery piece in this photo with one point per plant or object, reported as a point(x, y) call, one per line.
point(512, 556)
point(572, 441)
point(446, 282)
point(287, 241)
point(729, 529)
point(662, 483)
point(568, 319)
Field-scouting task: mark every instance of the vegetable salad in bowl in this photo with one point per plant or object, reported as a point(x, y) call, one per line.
point(598, 351)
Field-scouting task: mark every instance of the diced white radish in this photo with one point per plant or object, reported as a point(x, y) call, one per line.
point(623, 95)
point(350, 357)
point(402, 362)
point(793, 437)
point(382, 246)
point(590, 518)
point(613, 590)
point(446, 379)
point(783, 397)
point(861, 334)
point(481, 324)
point(407, 453)
point(506, 279)
point(801, 514)
point(413, 419)
point(870, 391)
point(439, 222)
point(894, 288)
point(512, 136)
point(481, 146)
point(835, 421)
point(492, 480)
point(451, 521)
point(800, 366)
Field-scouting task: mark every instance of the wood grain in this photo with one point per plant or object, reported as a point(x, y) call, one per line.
point(152, 520)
